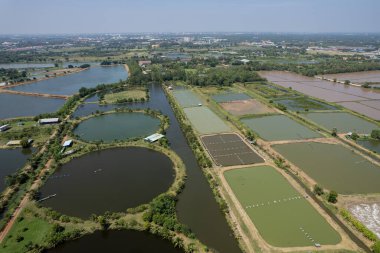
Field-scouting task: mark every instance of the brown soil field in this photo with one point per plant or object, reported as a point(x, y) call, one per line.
point(244, 107)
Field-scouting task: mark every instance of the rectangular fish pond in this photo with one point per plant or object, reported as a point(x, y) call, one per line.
point(344, 122)
point(279, 127)
point(333, 166)
point(282, 215)
point(206, 121)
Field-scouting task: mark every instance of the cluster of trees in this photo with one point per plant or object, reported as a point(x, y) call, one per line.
point(204, 77)
point(332, 196)
point(162, 211)
point(375, 134)
point(109, 62)
point(328, 66)
point(13, 75)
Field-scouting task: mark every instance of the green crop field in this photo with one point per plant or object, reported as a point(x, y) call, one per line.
point(205, 121)
point(282, 215)
point(186, 98)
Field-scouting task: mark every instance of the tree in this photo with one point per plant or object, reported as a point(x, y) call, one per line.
point(332, 197)
point(347, 82)
point(84, 66)
point(178, 242)
point(334, 132)
point(318, 190)
point(375, 134)
point(354, 136)
point(103, 222)
point(25, 143)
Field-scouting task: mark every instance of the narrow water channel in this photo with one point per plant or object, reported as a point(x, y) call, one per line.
point(196, 207)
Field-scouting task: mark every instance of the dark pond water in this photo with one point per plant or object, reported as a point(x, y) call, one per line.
point(196, 207)
point(108, 180)
point(10, 161)
point(12, 106)
point(70, 84)
point(126, 241)
point(373, 145)
point(117, 126)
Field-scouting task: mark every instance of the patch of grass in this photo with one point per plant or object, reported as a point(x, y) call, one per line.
point(136, 94)
point(26, 129)
point(27, 231)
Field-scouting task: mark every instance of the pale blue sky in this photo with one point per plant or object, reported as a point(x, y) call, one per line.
point(113, 16)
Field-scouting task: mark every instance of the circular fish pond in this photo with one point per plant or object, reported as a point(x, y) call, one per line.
point(127, 241)
point(108, 180)
point(117, 126)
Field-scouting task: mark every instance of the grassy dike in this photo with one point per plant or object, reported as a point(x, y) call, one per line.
point(203, 161)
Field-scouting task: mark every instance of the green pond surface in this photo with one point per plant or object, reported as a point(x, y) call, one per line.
point(302, 104)
point(281, 214)
point(344, 122)
point(279, 127)
point(206, 121)
point(230, 96)
point(333, 167)
point(117, 126)
point(372, 145)
point(186, 98)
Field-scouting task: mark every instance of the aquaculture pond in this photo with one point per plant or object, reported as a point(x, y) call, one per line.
point(115, 241)
point(282, 215)
point(279, 127)
point(230, 96)
point(186, 98)
point(302, 104)
point(348, 95)
point(13, 106)
point(342, 121)
point(206, 220)
point(333, 167)
point(71, 83)
point(12, 160)
point(117, 126)
point(108, 180)
point(370, 144)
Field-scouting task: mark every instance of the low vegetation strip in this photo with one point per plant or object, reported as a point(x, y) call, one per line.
point(205, 121)
point(283, 216)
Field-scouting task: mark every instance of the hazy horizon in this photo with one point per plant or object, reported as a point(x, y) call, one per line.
point(197, 16)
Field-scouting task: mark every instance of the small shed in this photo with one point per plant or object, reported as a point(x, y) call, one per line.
point(14, 143)
point(48, 121)
point(154, 137)
point(4, 128)
point(67, 143)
